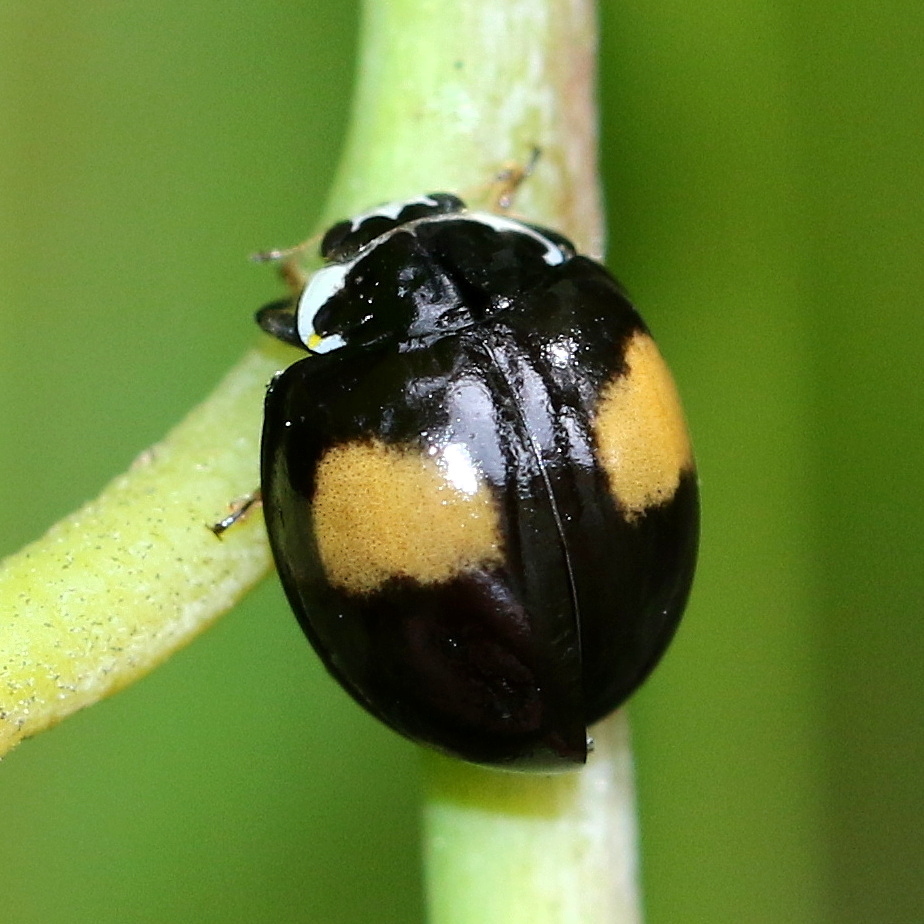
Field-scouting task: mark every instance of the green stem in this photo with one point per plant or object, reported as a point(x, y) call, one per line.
point(507, 848)
point(447, 93)
point(120, 584)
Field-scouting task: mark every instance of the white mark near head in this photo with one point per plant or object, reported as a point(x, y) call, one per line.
point(318, 344)
point(553, 254)
point(390, 210)
point(322, 286)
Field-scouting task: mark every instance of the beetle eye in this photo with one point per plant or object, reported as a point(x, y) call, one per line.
point(333, 241)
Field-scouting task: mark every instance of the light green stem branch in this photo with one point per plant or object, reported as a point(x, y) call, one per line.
point(116, 587)
point(501, 847)
point(447, 94)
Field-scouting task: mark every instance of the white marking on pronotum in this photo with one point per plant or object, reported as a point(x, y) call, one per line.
point(330, 280)
point(389, 210)
point(318, 344)
point(322, 286)
point(553, 255)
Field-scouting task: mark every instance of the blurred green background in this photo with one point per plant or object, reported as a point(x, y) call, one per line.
point(763, 168)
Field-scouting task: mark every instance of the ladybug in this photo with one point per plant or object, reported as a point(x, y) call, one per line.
point(478, 485)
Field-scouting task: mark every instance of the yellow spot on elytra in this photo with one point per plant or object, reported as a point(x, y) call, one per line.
point(385, 511)
point(641, 433)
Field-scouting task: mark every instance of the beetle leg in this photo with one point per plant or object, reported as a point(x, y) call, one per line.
point(239, 510)
point(497, 194)
point(510, 179)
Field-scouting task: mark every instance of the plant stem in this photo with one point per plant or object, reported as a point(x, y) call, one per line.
point(503, 847)
point(447, 93)
point(120, 584)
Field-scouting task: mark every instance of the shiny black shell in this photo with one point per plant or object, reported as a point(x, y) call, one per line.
point(482, 504)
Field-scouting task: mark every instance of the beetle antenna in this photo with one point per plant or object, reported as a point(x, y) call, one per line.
point(512, 177)
point(293, 275)
point(284, 253)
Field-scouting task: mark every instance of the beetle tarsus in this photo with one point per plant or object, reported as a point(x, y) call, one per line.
point(239, 511)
